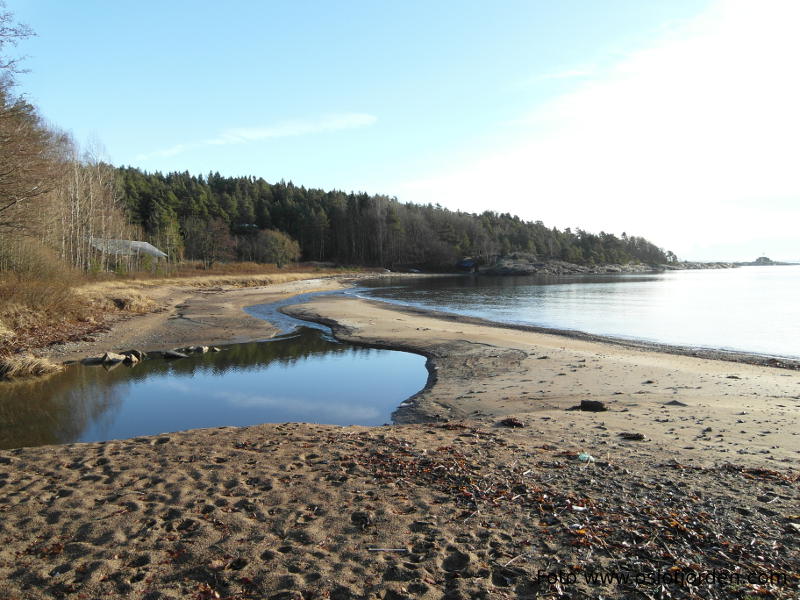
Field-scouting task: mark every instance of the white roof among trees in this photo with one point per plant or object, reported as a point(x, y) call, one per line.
point(126, 247)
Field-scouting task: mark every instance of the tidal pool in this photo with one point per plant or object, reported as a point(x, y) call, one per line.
point(301, 376)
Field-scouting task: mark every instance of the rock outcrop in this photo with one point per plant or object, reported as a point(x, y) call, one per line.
point(522, 266)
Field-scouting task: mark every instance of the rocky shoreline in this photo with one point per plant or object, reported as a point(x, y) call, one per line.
point(524, 266)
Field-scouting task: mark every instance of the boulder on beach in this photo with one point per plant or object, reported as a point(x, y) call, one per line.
point(137, 353)
point(193, 349)
point(590, 406)
point(632, 435)
point(112, 358)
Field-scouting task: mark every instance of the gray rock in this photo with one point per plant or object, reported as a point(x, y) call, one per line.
point(131, 359)
point(194, 349)
point(590, 406)
point(110, 358)
point(675, 403)
point(173, 354)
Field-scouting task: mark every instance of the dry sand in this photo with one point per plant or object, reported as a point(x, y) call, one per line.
point(448, 504)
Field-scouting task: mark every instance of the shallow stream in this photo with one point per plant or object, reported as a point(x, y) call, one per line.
point(304, 375)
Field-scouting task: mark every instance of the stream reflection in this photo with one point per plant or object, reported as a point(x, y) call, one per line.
point(303, 376)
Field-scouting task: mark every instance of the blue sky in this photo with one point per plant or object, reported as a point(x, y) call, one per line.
point(617, 115)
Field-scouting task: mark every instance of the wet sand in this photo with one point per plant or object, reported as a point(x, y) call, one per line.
point(447, 504)
point(707, 410)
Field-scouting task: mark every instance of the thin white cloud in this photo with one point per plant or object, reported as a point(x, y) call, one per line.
point(167, 152)
point(676, 142)
point(291, 128)
point(568, 74)
point(294, 128)
point(318, 410)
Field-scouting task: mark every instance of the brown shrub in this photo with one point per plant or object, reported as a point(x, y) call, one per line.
point(35, 285)
point(30, 260)
point(44, 299)
point(36, 296)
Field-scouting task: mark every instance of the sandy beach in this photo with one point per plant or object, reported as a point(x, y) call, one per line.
point(701, 500)
point(708, 410)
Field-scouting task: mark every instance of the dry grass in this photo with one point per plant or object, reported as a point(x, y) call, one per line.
point(38, 294)
point(17, 366)
point(26, 302)
point(43, 302)
point(191, 269)
point(123, 298)
point(36, 287)
point(6, 334)
point(122, 288)
point(132, 295)
point(16, 317)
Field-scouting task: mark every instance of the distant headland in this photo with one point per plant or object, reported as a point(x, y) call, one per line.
point(763, 261)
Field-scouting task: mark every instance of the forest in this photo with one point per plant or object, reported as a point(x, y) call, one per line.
point(179, 211)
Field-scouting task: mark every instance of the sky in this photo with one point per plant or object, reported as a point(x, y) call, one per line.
point(677, 121)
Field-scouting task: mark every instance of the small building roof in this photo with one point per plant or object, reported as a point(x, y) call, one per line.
point(126, 247)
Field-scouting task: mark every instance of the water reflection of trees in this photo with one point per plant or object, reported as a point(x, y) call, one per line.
point(62, 408)
point(286, 350)
point(396, 287)
point(55, 410)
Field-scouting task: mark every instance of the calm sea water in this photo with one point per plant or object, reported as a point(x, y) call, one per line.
point(751, 309)
point(303, 376)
